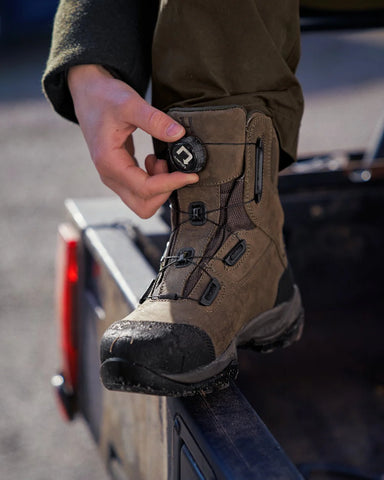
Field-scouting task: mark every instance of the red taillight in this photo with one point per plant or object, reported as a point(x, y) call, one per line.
point(67, 276)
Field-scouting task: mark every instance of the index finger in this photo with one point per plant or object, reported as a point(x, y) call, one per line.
point(153, 121)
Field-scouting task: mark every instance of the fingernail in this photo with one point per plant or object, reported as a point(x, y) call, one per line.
point(174, 130)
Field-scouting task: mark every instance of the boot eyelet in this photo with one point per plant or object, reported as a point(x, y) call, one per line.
point(235, 253)
point(185, 256)
point(210, 293)
point(197, 213)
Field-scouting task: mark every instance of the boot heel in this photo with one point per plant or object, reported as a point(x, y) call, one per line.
point(291, 335)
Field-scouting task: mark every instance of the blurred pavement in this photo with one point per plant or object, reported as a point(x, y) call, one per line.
point(44, 160)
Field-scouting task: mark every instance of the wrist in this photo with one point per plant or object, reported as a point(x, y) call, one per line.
point(81, 75)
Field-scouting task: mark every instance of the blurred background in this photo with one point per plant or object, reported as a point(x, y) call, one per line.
point(44, 160)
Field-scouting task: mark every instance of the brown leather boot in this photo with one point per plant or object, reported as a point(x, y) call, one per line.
point(224, 279)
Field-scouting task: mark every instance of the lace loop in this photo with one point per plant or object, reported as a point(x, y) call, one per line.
point(186, 255)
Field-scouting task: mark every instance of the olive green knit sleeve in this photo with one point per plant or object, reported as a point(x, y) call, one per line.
point(114, 33)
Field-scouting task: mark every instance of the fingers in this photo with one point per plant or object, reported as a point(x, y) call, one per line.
point(155, 166)
point(147, 203)
point(168, 182)
point(144, 192)
point(142, 208)
point(151, 120)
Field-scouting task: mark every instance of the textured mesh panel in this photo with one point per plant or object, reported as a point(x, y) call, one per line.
point(232, 218)
point(237, 216)
point(216, 241)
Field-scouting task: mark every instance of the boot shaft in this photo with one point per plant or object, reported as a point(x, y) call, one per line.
point(237, 191)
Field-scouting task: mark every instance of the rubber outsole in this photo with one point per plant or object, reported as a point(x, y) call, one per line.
point(114, 373)
point(118, 374)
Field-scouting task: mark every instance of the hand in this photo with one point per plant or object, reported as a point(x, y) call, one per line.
point(109, 111)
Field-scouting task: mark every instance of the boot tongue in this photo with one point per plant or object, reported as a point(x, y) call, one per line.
point(197, 213)
point(222, 132)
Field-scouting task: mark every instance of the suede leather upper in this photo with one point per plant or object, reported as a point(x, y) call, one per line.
point(250, 286)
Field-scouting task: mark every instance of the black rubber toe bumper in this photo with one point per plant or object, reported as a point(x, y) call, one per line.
point(138, 356)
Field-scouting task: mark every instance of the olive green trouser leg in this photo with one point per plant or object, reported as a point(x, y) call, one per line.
point(231, 52)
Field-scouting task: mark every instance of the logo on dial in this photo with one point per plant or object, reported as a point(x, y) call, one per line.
point(188, 154)
point(183, 155)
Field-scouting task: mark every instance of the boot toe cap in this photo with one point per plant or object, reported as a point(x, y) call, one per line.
point(160, 347)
